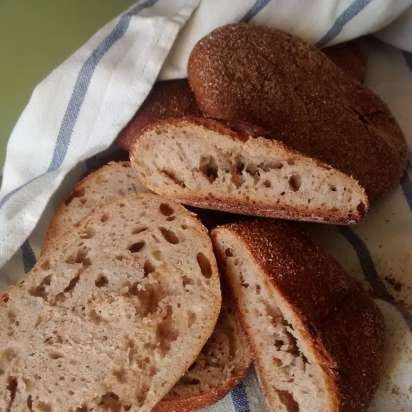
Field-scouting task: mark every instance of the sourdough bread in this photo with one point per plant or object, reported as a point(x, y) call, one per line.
point(317, 336)
point(224, 359)
point(221, 365)
point(112, 318)
point(201, 162)
point(269, 78)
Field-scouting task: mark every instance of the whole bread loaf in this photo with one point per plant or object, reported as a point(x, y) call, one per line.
point(274, 80)
point(111, 319)
point(317, 336)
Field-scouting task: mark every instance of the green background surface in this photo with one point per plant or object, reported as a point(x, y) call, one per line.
point(35, 37)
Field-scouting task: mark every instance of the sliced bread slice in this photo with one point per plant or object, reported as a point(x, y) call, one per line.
point(201, 162)
point(108, 183)
point(317, 336)
point(225, 358)
point(113, 318)
point(221, 365)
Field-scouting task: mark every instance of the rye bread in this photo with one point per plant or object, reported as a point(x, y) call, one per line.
point(114, 317)
point(317, 336)
point(203, 163)
point(274, 80)
point(225, 358)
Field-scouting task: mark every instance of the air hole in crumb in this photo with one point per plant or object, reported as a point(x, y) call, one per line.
point(267, 183)
point(30, 403)
point(171, 175)
point(186, 281)
point(137, 247)
point(229, 252)
point(184, 227)
point(104, 217)
point(73, 195)
point(169, 235)
point(101, 281)
point(208, 167)
point(189, 381)
point(288, 400)
point(40, 290)
point(148, 267)
point(111, 402)
point(295, 182)
point(138, 230)
point(88, 233)
point(270, 165)
point(204, 264)
point(166, 209)
point(332, 188)
point(191, 318)
point(79, 257)
point(73, 282)
point(120, 375)
point(55, 355)
point(45, 265)
point(171, 218)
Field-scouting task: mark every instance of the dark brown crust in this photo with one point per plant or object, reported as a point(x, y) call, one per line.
point(200, 401)
point(350, 58)
point(272, 79)
point(171, 98)
point(339, 318)
point(247, 207)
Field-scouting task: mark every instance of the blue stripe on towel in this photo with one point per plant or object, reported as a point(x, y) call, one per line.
point(347, 15)
point(254, 10)
point(369, 270)
point(28, 256)
point(239, 398)
point(79, 93)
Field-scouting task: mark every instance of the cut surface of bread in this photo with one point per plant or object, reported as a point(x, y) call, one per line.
point(108, 183)
point(222, 363)
point(274, 80)
point(317, 336)
point(112, 319)
point(170, 98)
point(202, 163)
point(224, 359)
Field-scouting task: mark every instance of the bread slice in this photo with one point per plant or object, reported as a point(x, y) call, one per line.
point(225, 358)
point(114, 317)
point(202, 163)
point(221, 365)
point(316, 335)
point(270, 78)
point(108, 183)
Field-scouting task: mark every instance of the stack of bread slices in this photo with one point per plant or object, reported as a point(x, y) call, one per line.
point(135, 306)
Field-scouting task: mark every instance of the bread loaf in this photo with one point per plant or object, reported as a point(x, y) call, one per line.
point(201, 162)
point(274, 80)
point(317, 336)
point(112, 318)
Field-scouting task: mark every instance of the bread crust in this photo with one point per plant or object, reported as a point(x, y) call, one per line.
point(272, 79)
point(350, 58)
point(338, 318)
point(170, 98)
point(247, 207)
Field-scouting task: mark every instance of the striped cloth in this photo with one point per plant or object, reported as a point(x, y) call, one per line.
point(79, 108)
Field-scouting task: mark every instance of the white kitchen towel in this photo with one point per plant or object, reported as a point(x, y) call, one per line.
point(78, 110)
